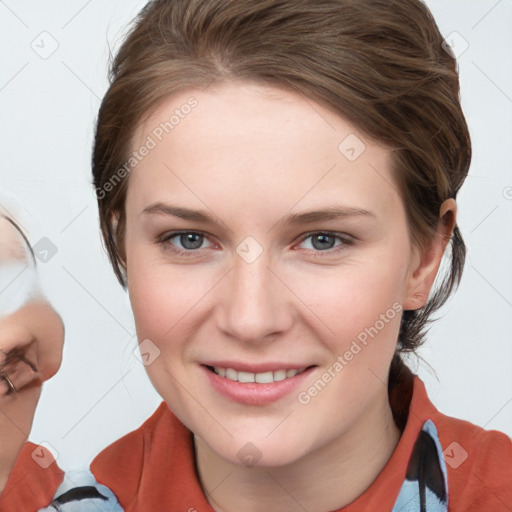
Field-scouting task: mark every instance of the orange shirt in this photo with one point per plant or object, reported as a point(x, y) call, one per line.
point(153, 468)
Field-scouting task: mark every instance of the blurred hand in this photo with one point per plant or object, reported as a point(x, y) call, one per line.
point(31, 342)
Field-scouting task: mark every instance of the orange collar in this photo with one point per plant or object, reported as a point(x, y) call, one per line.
point(154, 465)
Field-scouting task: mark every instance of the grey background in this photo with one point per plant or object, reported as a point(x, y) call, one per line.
point(48, 104)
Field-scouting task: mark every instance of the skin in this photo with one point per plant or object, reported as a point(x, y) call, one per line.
point(250, 155)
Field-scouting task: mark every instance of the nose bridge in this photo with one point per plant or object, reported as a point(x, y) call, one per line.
point(254, 305)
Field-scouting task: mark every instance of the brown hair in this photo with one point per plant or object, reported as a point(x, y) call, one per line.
point(380, 64)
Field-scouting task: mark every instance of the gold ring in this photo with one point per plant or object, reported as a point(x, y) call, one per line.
point(10, 383)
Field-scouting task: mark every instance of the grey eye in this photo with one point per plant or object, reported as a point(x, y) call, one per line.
point(191, 240)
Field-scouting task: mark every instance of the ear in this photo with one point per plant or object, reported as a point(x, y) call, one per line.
point(118, 235)
point(425, 263)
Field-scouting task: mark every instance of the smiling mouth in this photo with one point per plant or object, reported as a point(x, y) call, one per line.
point(259, 378)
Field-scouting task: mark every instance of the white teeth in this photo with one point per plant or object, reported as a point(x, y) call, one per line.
point(279, 375)
point(231, 374)
point(261, 378)
point(246, 377)
point(264, 378)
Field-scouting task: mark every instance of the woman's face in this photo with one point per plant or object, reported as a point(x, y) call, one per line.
point(306, 304)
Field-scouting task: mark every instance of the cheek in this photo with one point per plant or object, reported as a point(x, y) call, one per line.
point(353, 297)
point(166, 301)
point(157, 304)
point(358, 308)
point(153, 296)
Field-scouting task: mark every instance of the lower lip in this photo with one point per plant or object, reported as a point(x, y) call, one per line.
point(252, 393)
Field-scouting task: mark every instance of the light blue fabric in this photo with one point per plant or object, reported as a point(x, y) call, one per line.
point(76, 479)
point(409, 497)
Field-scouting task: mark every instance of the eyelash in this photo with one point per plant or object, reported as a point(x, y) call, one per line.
point(164, 242)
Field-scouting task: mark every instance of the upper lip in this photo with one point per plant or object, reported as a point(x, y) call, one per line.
point(256, 368)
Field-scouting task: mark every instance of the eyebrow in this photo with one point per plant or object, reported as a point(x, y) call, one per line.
point(330, 213)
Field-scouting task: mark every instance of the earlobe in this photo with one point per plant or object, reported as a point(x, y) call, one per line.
point(426, 261)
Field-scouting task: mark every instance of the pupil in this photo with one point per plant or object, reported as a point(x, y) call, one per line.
point(322, 239)
point(188, 238)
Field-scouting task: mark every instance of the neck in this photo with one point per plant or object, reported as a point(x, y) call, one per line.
point(325, 479)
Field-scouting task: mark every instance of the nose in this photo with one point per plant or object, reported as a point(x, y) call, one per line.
point(255, 305)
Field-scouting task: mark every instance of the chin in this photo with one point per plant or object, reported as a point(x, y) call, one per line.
point(262, 454)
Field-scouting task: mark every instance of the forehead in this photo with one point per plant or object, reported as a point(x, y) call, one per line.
point(255, 142)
